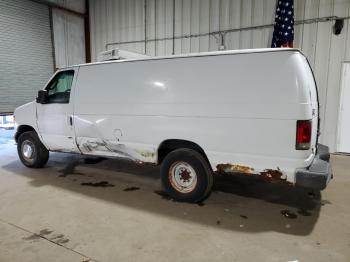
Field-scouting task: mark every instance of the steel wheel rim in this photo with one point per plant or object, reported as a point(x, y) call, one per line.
point(28, 150)
point(182, 177)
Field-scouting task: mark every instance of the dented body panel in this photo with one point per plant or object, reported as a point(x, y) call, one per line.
point(240, 107)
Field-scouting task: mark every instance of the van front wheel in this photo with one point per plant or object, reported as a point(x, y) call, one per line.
point(31, 151)
point(186, 175)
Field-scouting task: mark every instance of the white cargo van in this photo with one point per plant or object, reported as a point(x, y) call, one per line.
point(249, 111)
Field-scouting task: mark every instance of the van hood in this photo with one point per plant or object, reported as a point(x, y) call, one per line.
point(25, 106)
point(26, 114)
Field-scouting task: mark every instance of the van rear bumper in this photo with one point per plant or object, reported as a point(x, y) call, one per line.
point(318, 174)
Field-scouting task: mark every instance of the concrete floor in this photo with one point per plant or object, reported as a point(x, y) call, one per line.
point(49, 214)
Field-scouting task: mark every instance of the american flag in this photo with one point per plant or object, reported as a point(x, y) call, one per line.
point(283, 33)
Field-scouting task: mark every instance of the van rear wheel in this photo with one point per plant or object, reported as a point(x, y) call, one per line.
point(31, 151)
point(186, 175)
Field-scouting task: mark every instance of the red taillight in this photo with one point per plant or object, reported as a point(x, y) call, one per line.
point(303, 139)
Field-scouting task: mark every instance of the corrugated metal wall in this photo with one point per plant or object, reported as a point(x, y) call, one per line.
point(26, 55)
point(124, 21)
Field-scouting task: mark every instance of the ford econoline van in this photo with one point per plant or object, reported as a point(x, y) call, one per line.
point(253, 112)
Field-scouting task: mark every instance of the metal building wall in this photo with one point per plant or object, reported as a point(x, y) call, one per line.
point(68, 33)
point(123, 22)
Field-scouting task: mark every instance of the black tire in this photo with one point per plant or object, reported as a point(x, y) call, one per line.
point(39, 154)
point(177, 160)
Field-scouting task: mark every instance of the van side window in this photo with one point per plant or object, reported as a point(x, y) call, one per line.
point(58, 90)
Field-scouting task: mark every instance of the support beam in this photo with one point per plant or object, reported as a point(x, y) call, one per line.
point(87, 32)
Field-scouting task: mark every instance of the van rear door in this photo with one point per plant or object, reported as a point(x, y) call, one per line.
point(314, 102)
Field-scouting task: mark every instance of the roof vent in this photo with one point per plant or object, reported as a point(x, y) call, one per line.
point(117, 54)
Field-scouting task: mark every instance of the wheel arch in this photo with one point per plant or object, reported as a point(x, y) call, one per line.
point(170, 145)
point(21, 129)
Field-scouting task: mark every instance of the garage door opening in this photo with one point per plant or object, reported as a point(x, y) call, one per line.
point(7, 129)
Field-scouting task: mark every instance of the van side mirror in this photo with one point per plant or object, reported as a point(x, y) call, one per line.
point(42, 97)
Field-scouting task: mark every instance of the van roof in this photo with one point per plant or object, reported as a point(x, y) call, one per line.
point(212, 53)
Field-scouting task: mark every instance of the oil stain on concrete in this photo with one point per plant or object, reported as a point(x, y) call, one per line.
point(98, 184)
point(132, 188)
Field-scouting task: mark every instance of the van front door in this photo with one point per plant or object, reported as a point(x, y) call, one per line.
point(55, 118)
